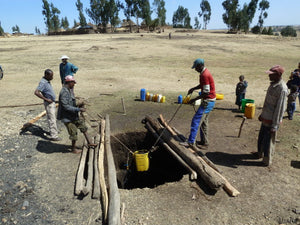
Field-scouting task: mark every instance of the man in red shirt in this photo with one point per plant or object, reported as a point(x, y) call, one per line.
point(208, 96)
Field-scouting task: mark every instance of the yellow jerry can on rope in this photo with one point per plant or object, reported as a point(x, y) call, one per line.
point(249, 110)
point(141, 160)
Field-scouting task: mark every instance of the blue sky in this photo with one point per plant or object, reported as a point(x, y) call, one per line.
point(27, 14)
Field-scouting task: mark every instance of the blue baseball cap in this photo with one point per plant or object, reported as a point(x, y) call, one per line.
point(197, 62)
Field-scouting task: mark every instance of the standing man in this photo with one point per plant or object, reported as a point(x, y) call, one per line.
point(68, 113)
point(46, 92)
point(271, 115)
point(208, 96)
point(66, 68)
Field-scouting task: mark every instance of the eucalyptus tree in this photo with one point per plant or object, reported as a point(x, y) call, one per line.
point(181, 18)
point(160, 10)
point(82, 19)
point(205, 11)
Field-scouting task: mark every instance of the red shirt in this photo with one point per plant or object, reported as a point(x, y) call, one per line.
point(207, 84)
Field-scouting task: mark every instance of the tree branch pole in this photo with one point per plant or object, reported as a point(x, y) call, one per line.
point(114, 195)
point(96, 183)
point(80, 181)
point(104, 195)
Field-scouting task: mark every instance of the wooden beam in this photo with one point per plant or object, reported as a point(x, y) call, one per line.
point(104, 195)
point(114, 195)
point(80, 181)
point(96, 183)
point(89, 182)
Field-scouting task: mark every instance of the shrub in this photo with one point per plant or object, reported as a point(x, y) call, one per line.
point(255, 30)
point(288, 31)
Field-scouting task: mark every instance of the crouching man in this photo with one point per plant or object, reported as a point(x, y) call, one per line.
point(68, 113)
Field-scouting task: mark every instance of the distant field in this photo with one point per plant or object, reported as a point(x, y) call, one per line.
point(128, 62)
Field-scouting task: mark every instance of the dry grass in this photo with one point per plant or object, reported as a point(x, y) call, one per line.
point(117, 63)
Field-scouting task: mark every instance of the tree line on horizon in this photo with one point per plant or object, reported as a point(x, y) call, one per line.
point(106, 12)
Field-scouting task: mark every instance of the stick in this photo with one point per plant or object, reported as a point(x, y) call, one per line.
point(96, 184)
point(79, 178)
point(104, 195)
point(244, 118)
point(123, 104)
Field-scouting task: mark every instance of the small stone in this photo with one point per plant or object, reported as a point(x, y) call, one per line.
point(4, 220)
point(25, 203)
point(297, 211)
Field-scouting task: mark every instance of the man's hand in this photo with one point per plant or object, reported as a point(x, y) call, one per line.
point(192, 101)
point(190, 91)
point(49, 100)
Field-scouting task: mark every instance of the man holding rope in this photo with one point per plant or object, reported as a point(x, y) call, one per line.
point(208, 96)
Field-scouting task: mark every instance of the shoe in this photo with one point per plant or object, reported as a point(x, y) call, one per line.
point(186, 144)
point(55, 139)
point(204, 147)
point(76, 151)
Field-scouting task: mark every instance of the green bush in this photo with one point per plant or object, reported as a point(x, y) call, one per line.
point(255, 30)
point(288, 32)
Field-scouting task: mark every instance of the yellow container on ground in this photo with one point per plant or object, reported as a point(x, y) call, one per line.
point(186, 99)
point(141, 160)
point(219, 96)
point(249, 110)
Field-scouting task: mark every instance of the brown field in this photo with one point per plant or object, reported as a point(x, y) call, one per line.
point(112, 66)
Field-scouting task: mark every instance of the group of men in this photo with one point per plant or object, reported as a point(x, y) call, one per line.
point(270, 117)
point(67, 109)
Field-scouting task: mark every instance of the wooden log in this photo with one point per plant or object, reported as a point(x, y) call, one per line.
point(80, 181)
point(205, 171)
point(89, 182)
point(197, 151)
point(96, 183)
point(114, 195)
point(227, 186)
point(104, 195)
point(193, 174)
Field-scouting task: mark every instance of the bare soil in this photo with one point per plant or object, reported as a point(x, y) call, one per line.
point(37, 176)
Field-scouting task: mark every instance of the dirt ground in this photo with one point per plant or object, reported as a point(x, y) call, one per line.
point(37, 176)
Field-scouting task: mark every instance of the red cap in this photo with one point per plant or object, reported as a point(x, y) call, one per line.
point(276, 69)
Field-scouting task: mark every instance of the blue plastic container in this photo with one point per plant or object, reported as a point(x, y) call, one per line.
point(143, 94)
point(179, 99)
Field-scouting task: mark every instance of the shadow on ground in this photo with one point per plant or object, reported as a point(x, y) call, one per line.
point(233, 160)
point(49, 147)
point(36, 131)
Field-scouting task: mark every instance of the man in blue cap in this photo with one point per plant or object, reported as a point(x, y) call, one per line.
point(208, 96)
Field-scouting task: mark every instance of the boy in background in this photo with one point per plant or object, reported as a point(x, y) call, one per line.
point(240, 91)
point(291, 102)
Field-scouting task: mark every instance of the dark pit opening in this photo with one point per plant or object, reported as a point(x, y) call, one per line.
point(163, 167)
